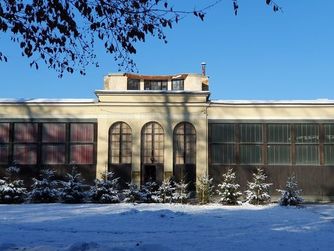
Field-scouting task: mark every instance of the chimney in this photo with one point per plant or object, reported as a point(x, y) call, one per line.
point(203, 68)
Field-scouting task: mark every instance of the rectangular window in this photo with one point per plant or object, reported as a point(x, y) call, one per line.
point(250, 133)
point(4, 132)
point(133, 84)
point(53, 132)
point(251, 154)
point(329, 133)
point(329, 144)
point(307, 144)
point(25, 154)
point(82, 154)
point(155, 85)
point(53, 154)
point(224, 133)
point(279, 144)
point(4, 151)
point(223, 154)
point(329, 154)
point(178, 84)
point(25, 132)
point(82, 147)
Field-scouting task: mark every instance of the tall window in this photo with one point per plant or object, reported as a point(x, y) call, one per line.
point(279, 144)
point(184, 144)
point(120, 144)
point(329, 144)
point(152, 144)
point(178, 84)
point(25, 143)
point(4, 143)
point(53, 143)
point(307, 144)
point(82, 143)
point(155, 84)
point(251, 143)
point(133, 84)
point(223, 144)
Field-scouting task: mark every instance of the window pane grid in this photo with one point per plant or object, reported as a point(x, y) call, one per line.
point(120, 144)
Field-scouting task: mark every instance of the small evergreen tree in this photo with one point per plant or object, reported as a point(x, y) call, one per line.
point(149, 192)
point(105, 190)
point(291, 193)
point(132, 194)
point(12, 189)
point(181, 194)
point(257, 192)
point(165, 191)
point(73, 190)
point(204, 189)
point(44, 190)
point(229, 189)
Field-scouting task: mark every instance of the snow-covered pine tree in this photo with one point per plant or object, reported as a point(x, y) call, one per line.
point(181, 194)
point(291, 194)
point(228, 190)
point(12, 189)
point(105, 190)
point(132, 194)
point(73, 190)
point(165, 191)
point(204, 189)
point(44, 190)
point(257, 192)
point(149, 192)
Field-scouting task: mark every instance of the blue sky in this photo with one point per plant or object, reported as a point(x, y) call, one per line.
point(258, 54)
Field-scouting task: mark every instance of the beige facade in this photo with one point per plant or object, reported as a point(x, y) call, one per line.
point(170, 100)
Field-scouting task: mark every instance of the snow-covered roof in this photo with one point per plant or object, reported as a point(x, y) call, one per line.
point(44, 100)
point(266, 102)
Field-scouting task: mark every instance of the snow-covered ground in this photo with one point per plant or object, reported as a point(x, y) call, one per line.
point(88, 227)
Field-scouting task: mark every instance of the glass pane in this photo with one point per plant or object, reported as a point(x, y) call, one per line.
point(307, 133)
point(223, 133)
point(223, 154)
point(82, 154)
point(178, 85)
point(25, 132)
point(25, 154)
point(55, 132)
point(307, 154)
point(250, 154)
point(53, 154)
point(250, 133)
point(279, 133)
point(4, 154)
point(329, 154)
point(329, 133)
point(278, 154)
point(133, 84)
point(4, 132)
point(82, 132)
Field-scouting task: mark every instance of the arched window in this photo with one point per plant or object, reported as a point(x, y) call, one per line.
point(184, 141)
point(152, 152)
point(120, 151)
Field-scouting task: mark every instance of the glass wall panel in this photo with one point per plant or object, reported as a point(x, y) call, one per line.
point(307, 133)
point(53, 154)
point(133, 84)
point(82, 132)
point(82, 154)
point(224, 133)
point(53, 132)
point(4, 132)
point(223, 154)
point(152, 143)
point(250, 154)
point(178, 84)
point(25, 132)
point(279, 154)
point(279, 133)
point(250, 133)
point(329, 154)
point(307, 154)
point(25, 154)
point(4, 151)
point(329, 133)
